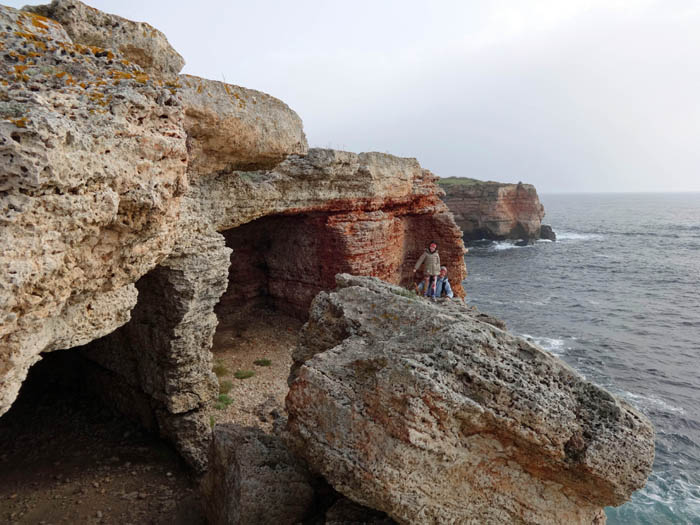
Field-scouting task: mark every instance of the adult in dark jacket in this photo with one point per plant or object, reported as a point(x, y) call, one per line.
point(442, 286)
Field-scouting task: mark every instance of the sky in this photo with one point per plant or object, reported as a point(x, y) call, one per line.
point(569, 95)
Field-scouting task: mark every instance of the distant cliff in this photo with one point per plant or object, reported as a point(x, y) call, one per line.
point(495, 210)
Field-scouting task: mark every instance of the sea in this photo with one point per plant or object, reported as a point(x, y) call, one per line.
point(617, 297)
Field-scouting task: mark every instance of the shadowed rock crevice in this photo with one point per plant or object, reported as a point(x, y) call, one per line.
point(66, 455)
point(157, 368)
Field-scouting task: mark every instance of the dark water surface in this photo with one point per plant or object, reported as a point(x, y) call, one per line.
point(618, 298)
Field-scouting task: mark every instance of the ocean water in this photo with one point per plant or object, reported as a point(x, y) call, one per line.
point(618, 298)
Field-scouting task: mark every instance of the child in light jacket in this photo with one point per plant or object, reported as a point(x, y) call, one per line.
point(431, 258)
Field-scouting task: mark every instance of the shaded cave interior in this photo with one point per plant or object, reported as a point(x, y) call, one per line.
point(281, 262)
point(67, 455)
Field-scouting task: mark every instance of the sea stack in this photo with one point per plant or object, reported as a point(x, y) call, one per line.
point(495, 210)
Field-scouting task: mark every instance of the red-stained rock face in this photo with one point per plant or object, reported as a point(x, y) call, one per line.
point(493, 210)
point(291, 257)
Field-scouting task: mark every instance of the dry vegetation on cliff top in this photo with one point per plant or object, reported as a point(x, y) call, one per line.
point(459, 181)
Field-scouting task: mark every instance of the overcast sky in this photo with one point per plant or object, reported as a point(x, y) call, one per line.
point(570, 95)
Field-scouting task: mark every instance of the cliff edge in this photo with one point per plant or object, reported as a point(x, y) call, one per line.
point(135, 200)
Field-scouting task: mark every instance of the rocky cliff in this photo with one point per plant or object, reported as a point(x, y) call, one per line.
point(138, 206)
point(494, 210)
point(432, 416)
point(135, 197)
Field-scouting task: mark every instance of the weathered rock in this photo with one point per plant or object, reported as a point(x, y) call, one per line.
point(234, 128)
point(493, 210)
point(253, 479)
point(164, 352)
point(546, 232)
point(432, 416)
point(137, 42)
point(367, 214)
point(92, 167)
point(115, 178)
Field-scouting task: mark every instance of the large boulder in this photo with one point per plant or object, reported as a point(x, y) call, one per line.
point(546, 232)
point(137, 42)
point(234, 128)
point(432, 416)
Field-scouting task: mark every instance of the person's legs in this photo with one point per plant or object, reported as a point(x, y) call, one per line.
point(426, 286)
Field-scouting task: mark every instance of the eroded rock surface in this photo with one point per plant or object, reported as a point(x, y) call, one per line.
point(367, 214)
point(92, 168)
point(253, 479)
point(137, 42)
point(235, 128)
point(424, 412)
point(494, 210)
point(159, 364)
point(124, 188)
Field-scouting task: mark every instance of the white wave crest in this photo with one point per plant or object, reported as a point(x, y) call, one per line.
point(506, 245)
point(576, 236)
point(642, 402)
point(555, 346)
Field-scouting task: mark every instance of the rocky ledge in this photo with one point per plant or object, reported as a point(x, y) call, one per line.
point(495, 210)
point(432, 416)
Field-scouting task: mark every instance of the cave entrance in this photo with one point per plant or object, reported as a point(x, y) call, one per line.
point(278, 265)
point(66, 455)
point(280, 262)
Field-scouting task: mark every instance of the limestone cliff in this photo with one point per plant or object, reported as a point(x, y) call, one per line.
point(127, 192)
point(494, 210)
point(138, 205)
point(93, 165)
point(432, 416)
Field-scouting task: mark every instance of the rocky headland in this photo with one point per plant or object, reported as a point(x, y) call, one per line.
point(140, 208)
point(495, 210)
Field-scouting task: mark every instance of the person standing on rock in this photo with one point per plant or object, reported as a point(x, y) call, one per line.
point(431, 258)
